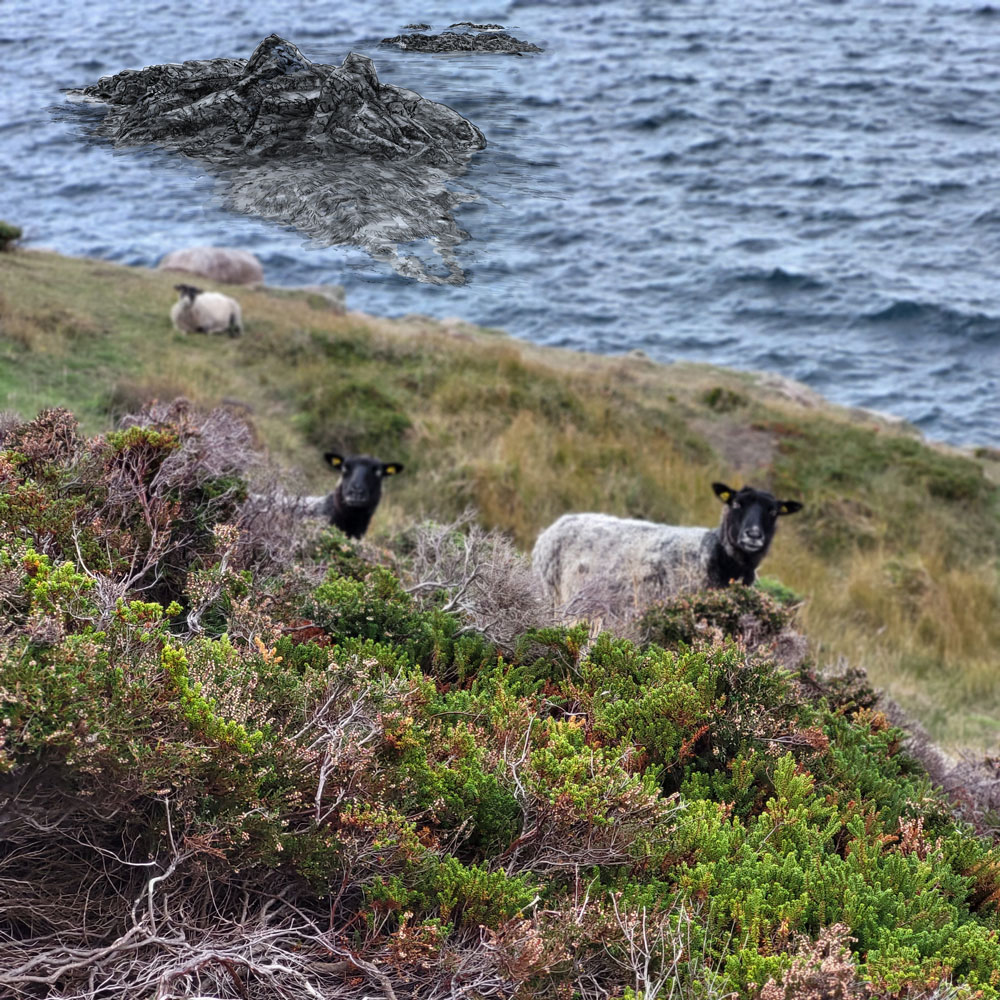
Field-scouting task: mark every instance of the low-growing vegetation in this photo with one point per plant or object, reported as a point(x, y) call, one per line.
point(9, 235)
point(895, 553)
point(235, 762)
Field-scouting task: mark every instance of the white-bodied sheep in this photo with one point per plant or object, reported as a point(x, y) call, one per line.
point(197, 311)
point(626, 565)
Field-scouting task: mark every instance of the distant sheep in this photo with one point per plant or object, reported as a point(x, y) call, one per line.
point(351, 505)
point(631, 563)
point(197, 311)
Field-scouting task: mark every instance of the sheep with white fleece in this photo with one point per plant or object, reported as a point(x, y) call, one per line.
point(621, 566)
point(197, 311)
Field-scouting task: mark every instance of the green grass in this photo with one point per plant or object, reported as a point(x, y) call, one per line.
point(896, 552)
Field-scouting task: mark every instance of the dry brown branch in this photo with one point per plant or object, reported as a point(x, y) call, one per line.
point(342, 731)
point(616, 601)
point(484, 578)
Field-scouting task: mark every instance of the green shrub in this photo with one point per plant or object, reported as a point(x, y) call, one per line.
point(9, 234)
point(735, 610)
point(358, 416)
point(723, 400)
point(454, 893)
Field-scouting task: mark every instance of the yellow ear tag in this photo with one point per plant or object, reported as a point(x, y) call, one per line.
point(391, 470)
point(724, 497)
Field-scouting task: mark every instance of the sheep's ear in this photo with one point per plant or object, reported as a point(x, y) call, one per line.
point(335, 460)
point(391, 468)
point(723, 492)
point(789, 506)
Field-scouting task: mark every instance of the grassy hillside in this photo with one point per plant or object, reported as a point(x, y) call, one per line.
point(895, 553)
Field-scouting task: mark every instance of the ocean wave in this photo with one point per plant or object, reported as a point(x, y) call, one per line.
point(666, 117)
point(991, 217)
point(686, 78)
point(936, 320)
point(959, 121)
point(780, 279)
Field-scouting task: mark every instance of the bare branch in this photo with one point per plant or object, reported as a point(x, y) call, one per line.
point(484, 578)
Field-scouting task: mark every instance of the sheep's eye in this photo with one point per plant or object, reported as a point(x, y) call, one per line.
point(345, 468)
point(735, 505)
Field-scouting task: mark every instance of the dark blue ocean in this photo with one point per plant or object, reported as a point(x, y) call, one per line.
point(811, 188)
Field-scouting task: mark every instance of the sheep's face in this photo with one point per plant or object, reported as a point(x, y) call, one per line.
point(361, 478)
point(750, 517)
point(189, 292)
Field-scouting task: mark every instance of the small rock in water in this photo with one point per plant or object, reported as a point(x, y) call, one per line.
point(460, 41)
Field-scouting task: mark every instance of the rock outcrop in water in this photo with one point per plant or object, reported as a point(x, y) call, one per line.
point(329, 150)
point(460, 41)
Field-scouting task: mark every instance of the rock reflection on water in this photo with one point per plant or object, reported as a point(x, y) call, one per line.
point(329, 150)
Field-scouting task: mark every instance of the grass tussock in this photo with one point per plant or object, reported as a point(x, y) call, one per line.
point(895, 552)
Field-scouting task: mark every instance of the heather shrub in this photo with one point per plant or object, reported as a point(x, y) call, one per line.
point(748, 613)
point(135, 509)
point(821, 970)
point(9, 234)
point(320, 777)
point(341, 556)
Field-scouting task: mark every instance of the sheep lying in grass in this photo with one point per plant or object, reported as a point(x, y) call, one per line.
point(197, 311)
point(351, 505)
point(620, 566)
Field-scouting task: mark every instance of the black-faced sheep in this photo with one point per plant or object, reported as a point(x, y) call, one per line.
point(634, 563)
point(197, 311)
point(351, 505)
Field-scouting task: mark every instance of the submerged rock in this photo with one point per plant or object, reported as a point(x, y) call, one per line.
point(329, 150)
point(461, 41)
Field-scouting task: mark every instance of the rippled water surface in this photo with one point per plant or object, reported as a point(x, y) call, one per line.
point(815, 191)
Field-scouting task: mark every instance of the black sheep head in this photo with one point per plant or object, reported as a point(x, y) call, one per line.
point(189, 292)
point(750, 519)
point(361, 478)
